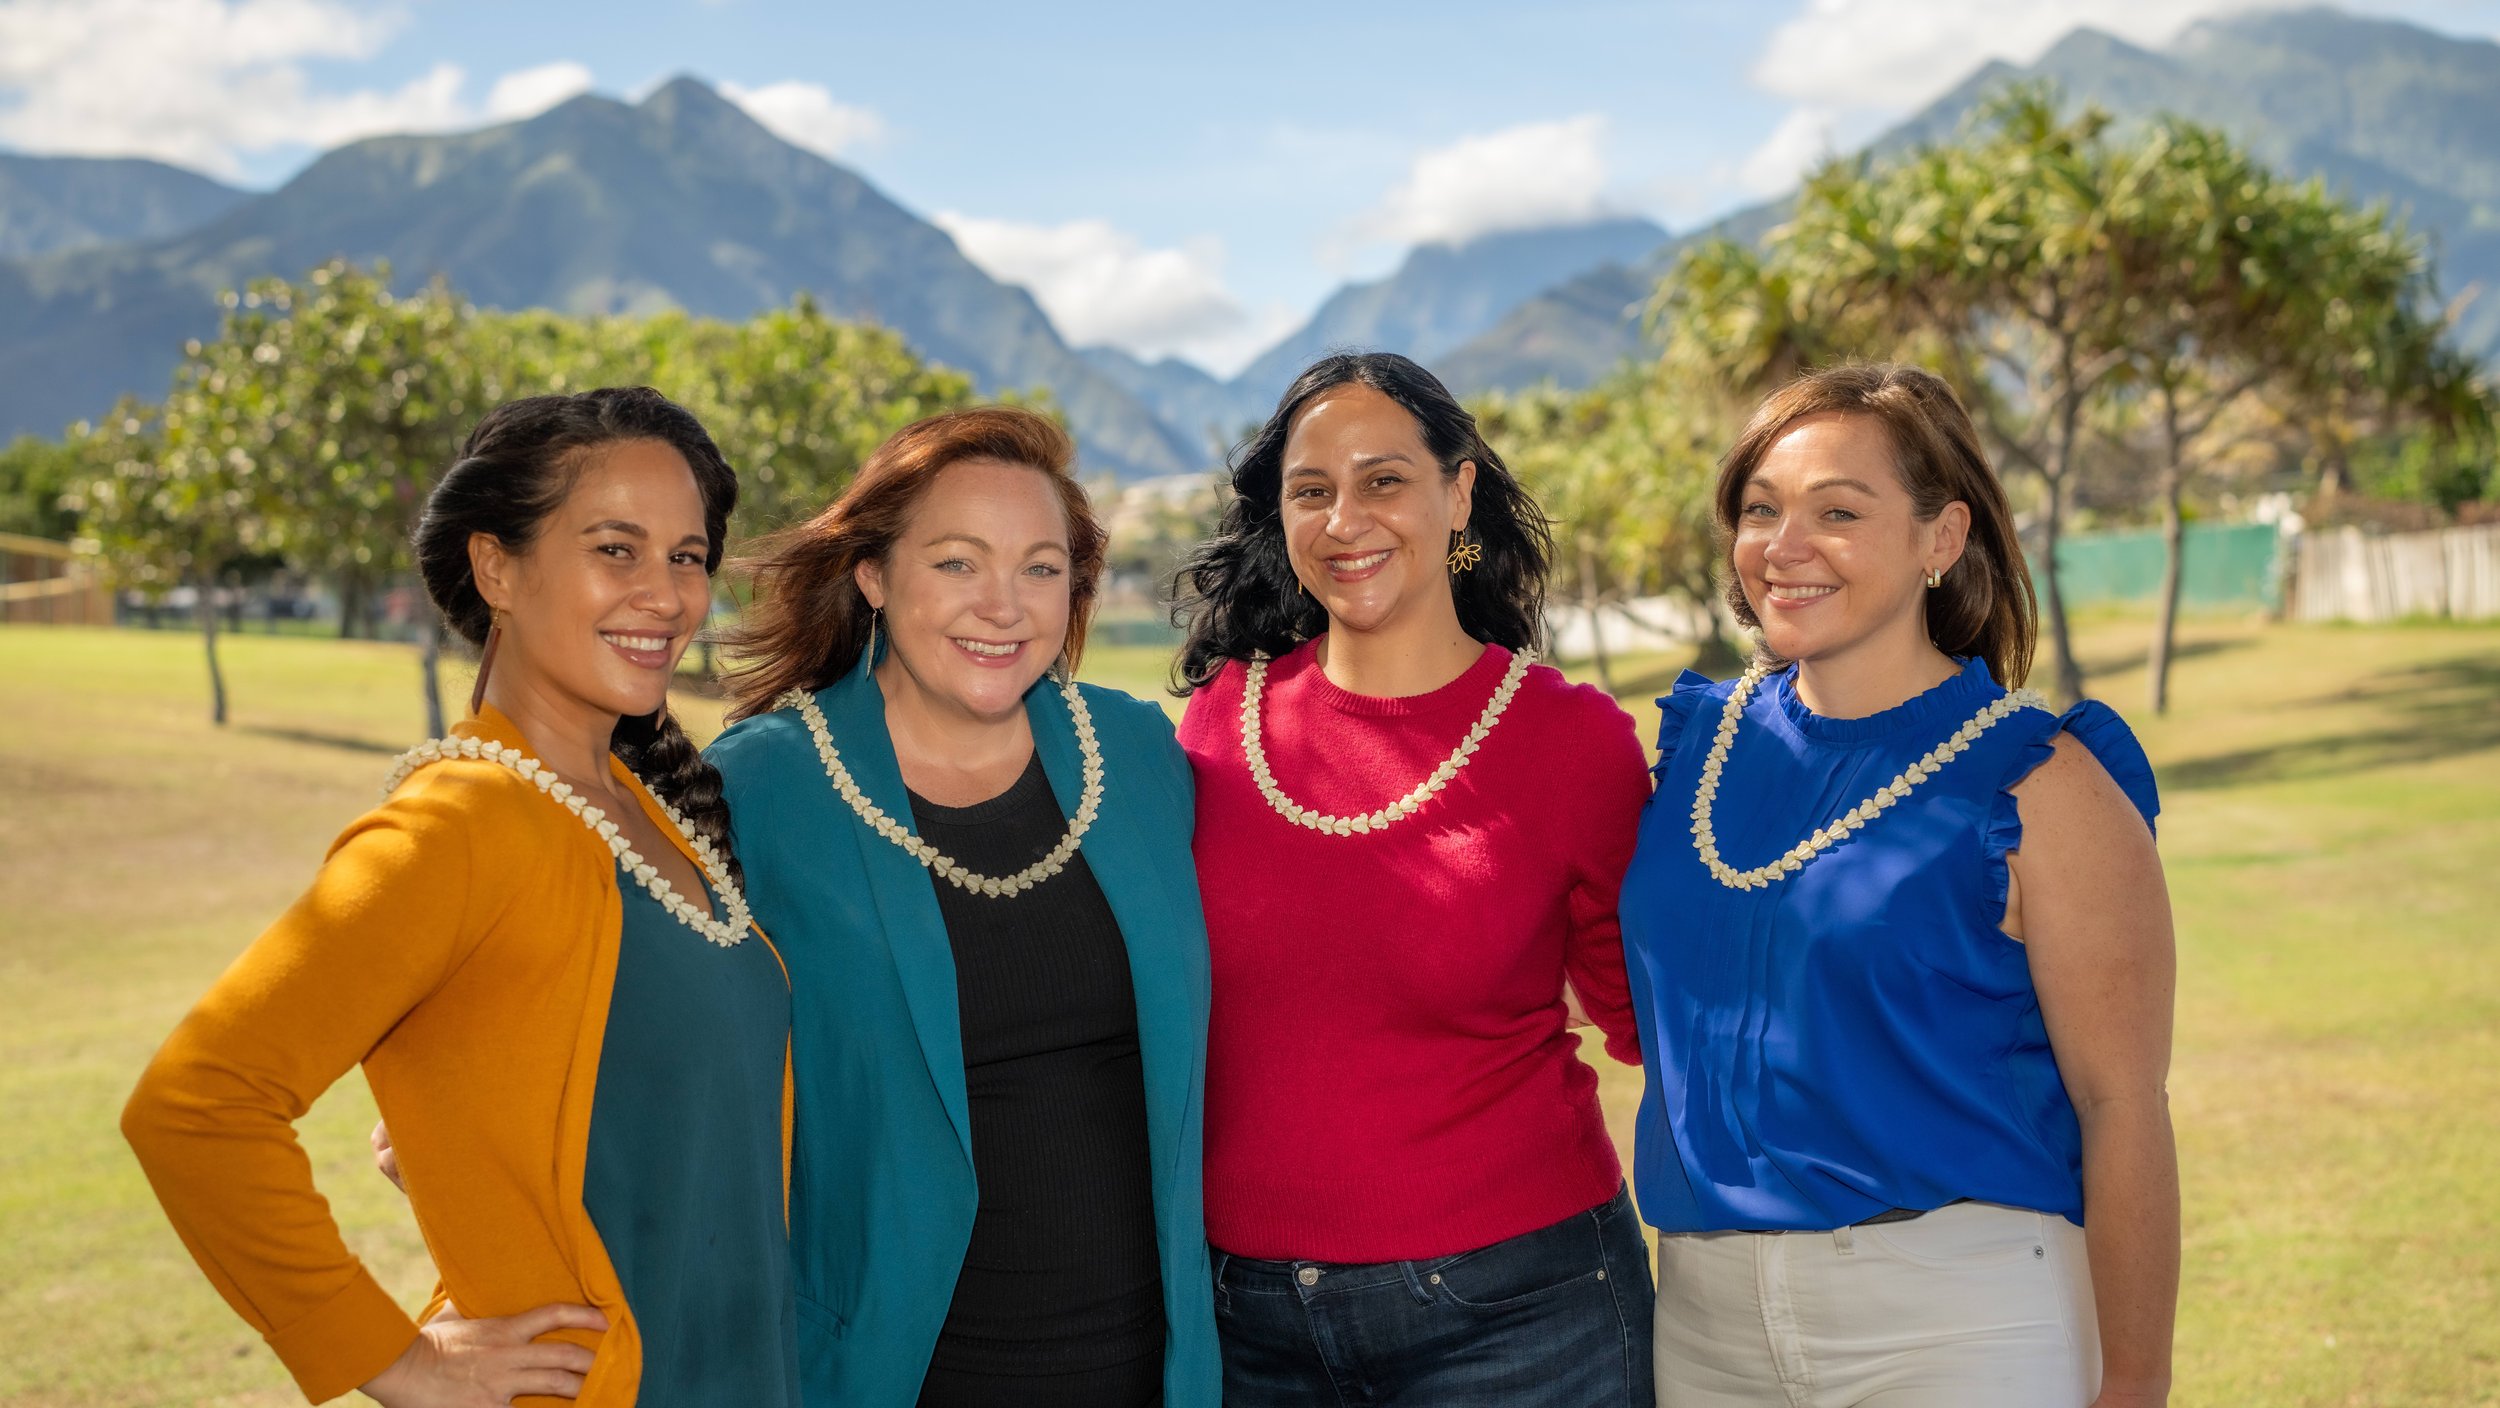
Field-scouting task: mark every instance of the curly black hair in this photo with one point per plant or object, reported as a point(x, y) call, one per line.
point(1235, 594)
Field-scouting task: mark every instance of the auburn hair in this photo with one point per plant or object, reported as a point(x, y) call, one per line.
point(1985, 605)
point(809, 621)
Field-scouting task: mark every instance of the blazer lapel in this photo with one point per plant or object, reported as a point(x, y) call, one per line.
point(907, 911)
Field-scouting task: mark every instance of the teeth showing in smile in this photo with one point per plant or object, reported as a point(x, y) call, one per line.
point(1359, 564)
point(1801, 593)
point(982, 647)
point(634, 642)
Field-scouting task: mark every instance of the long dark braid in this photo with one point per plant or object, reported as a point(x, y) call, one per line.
point(513, 471)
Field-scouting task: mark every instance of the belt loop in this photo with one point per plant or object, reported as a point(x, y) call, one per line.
point(1414, 1283)
point(1845, 1240)
point(1223, 1297)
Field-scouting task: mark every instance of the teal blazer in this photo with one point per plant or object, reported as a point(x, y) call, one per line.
point(881, 1185)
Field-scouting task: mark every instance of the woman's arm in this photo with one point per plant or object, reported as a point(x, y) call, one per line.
point(395, 908)
point(1605, 813)
point(2089, 902)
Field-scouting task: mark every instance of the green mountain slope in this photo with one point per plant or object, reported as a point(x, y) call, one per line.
point(54, 203)
point(2383, 110)
point(679, 201)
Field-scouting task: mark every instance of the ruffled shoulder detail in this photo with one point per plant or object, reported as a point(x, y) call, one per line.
point(2098, 728)
point(1691, 691)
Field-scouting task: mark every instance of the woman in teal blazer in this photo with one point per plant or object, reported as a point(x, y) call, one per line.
point(886, 1008)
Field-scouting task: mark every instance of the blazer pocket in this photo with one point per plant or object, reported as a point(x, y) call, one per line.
point(816, 1321)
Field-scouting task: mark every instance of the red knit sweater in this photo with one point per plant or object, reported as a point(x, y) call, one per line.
point(1389, 1071)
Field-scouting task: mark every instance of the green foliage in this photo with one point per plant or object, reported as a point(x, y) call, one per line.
point(34, 477)
point(1625, 469)
point(797, 401)
point(311, 427)
point(2067, 279)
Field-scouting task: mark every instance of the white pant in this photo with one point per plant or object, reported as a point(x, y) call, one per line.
point(1971, 1306)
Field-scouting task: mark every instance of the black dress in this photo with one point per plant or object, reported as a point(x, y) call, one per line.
point(1060, 1300)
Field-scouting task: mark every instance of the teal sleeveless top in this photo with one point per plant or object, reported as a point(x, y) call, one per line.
point(684, 1177)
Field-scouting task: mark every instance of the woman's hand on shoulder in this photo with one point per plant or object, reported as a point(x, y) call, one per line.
point(460, 1363)
point(386, 1158)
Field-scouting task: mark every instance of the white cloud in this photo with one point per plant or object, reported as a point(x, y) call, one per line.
point(1802, 140)
point(205, 83)
point(1539, 173)
point(530, 91)
point(1102, 284)
point(806, 114)
point(1895, 54)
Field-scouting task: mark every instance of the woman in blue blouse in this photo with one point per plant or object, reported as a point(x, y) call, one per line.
point(1902, 957)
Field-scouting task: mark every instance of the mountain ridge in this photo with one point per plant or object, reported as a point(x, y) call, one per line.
point(2380, 108)
point(51, 204)
point(594, 206)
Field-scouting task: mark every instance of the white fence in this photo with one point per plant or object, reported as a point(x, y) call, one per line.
point(2349, 575)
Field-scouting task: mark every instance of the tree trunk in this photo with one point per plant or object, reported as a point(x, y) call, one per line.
point(2061, 458)
point(2173, 563)
point(1589, 603)
point(351, 602)
point(208, 638)
point(429, 665)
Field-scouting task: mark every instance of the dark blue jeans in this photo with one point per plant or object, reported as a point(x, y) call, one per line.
point(1555, 1318)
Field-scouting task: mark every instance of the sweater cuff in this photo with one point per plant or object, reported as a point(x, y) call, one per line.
point(344, 1341)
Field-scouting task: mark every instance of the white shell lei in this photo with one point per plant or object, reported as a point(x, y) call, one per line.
point(1705, 838)
point(939, 863)
point(1403, 807)
point(727, 931)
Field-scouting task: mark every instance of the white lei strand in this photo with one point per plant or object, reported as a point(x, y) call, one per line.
point(727, 931)
point(1255, 751)
point(945, 867)
point(1705, 837)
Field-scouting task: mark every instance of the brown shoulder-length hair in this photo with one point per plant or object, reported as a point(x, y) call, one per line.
point(809, 622)
point(1985, 606)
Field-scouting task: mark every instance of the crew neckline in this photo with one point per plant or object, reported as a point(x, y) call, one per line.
point(1019, 794)
point(1956, 694)
point(1300, 668)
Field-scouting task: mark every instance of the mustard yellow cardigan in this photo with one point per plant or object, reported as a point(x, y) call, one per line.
point(460, 941)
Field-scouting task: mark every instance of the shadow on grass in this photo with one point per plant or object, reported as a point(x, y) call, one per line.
point(2443, 710)
point(2102, 666)
point(340, 741)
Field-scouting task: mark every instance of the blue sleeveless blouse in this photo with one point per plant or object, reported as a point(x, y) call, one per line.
point(1861, 1034)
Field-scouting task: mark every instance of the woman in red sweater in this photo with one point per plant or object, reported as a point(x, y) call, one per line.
point(1409, 841)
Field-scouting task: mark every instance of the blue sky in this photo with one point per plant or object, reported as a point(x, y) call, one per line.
point(1173, 178)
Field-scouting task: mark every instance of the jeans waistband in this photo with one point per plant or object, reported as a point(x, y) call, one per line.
point(1256, 1273)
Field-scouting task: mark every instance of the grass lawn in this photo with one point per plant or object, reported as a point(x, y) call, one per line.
point(2332, 831)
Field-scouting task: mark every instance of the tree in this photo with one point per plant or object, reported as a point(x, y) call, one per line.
point(1625, 469)
point(2059, 275)
point(350, 399)
point(797, 401)
point(35, 475)
point(2243, 283)
point(170, 499)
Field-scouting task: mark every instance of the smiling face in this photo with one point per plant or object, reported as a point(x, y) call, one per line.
point(1368, 512)
point(1829, 547)
point(976, 590)
point(607, 596)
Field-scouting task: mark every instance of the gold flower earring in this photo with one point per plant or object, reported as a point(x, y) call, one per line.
point(1465, 553)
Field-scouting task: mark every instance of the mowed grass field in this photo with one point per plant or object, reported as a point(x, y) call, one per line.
point(2332, 832)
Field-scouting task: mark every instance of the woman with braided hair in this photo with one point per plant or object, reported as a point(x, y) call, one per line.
point(537, 948)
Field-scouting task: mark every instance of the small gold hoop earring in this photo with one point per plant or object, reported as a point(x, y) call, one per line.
point(1935, 579)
